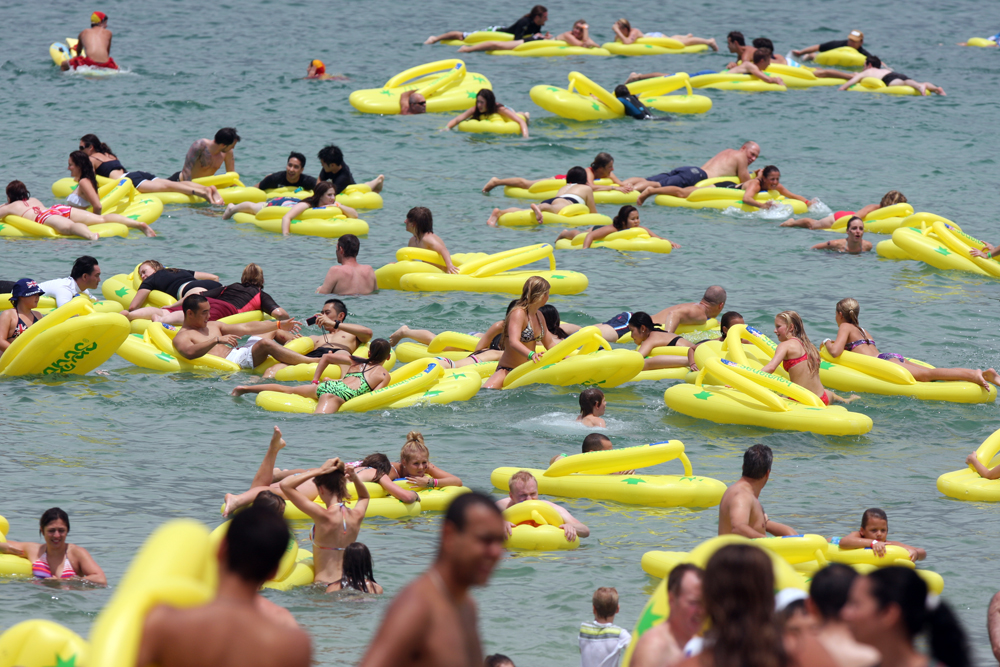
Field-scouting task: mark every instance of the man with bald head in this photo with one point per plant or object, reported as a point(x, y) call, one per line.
point(411, 103)
point(681, 182)
point(711, 304)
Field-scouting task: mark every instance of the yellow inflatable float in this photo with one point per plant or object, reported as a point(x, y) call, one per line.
point(652, 46)
point(327, 222)
point(446, 85)
point(589, 476)
point(357, 195)
point(726, 80)
point(721, 198)
point(40, 643)
point(549, 48)
point(942, 245)
point(585, 100)
point(11, 565)
point(385, 506)
point(885, 220)
point(800, 77)
point(844, 56)
point(492, 124)
point(72, 339)
point(13, 226)
point(536, 528)
point(967, 484)
point(229, 185)
point(117, 196)
point(870, 84)
point(626, 240)
point(574, 215)
point(973, 41)
point(549, 188)
point(294, 570)
point(584, 358)
point(418, 270)
point(656, 93)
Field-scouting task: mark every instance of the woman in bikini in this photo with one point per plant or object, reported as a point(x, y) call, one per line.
point(15, 321)
point(358, 573)
point(86, 195)
point(56, 558)
point(627, 218)
point(360, 376)
point(323, 195)
point(799, 357)
point(517, 335)
point(851, 337)
point(23, 205)
point(576, 191)
point(420, 223)
point(854, 244)
point(336, 525)
point(626, 34)
point(647, 336)
point(106, 164)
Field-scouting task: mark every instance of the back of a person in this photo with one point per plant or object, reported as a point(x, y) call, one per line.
point(600, 644)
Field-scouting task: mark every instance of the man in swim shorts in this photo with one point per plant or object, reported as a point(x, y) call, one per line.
point(350, 277)
point(85, 275)
point(667, 644)
point(199, 336)
point(433, 620)
point(711, 304)
point(523, 486)
point(873, 68)
point(740, 511)
point(206, 156)
point(96, 42)
point(729, 162)
point(337, 335)
point(291, 177)
point(202, 636)
point(855, 40)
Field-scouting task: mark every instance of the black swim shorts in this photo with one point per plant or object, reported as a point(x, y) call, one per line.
point(681, 177)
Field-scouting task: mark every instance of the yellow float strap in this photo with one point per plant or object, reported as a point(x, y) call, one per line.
point(616, 460)
point(872, 366)
point(533, 510)
point(587, 340)
point(80, 305)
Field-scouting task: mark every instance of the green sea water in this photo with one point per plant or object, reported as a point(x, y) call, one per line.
point(124, 451)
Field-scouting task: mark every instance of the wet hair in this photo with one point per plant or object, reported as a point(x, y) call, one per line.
point(378, 462)
point(764, 43)
point(153, 264)
point(830, 588)
point(82, 266)
point(379, 351)
point(873, 61)
point(738, 590)
point(335, 482)
point(621, 90)
point(349, 245)
point(624, 25)
point(641, 319)
point(331, 155)
point(768, 170)
point(91, 141)
point(736, 36)
point(676, 576)
point(457, 511)
point(298, 156)
point(256, 541)
point(226, 136)
point(602, 160)
point(338, 306)
point(798, 330)
point(761, 55)
point(904, 588)
point(537, 10)
point(849, 309)
point(270, 500)
point(191, 303)
point(413, 447)
point(491, 104)
point(319, 190)
point(714, 295)
point(605, 601)
point(497, 660)
point(535, 288)
point(53, 514)
point(422, 220)
point(757, 461)
point(521, 477)
point(873, 513)
point(620, 221)
point(82, 162)
point(253, 276)
point(592, 443)
point(727, 319)
point(552, 320)
point(357, 567)
point(17, 191)
point(851, 221)
point(576, 176)
point(892, 197)
point(590, 398)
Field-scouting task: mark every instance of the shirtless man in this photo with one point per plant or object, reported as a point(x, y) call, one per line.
point(350, 277)
point(740, 512)
point(337, 335)
point(729, 162)
point(412, 103)
point(524, 487)
point(579, 36)
point(203, 636)
point(576, 191)
point(736, 43)
point(206, 156)
point(663, 645)
point(710, 306)
point(760, 61)
point(96, 42)
point(199, 337)
point(873, 68)
point(432, 622)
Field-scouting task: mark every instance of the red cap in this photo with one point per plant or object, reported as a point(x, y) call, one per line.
point(98, 17)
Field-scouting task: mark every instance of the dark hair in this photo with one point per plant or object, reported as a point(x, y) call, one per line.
point(357, 567)
point(736, 36)
point(768, 170)
point(602, 160)
point(873, 61)
point(319, 190)
point(590, 398)
point(715, 295)
point(904, 587)
point(764, 43)
point(17, 191)
point(757, 461)
point(873, 513)
point(497, 660)
point(457, 511)
point(830, 588)
point(53, 514)
point(577, 175)
point(191, 302)
point(676, 576)
point(379, 350)
point(92, 141)
point(491, 104)
point(761, 55)
point(338, 306)
point(738, 589)
point(270, 500)
point(790, 609)
point(422, 219)
point(298, 156)
point(378, 462)
point(349, 244)
point(592, 443)
point(537, 10)
point(82, 162)
point(621, 90)
point(552, 320)
point(82, 266)
point(331, 155)
point(226, 136)
point(621, 219)
point(727, 319)
point(641, 319)
point(852, 219)
point(256, 541)
point(335, 482)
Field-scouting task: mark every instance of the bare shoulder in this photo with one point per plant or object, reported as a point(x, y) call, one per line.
point(503, 503)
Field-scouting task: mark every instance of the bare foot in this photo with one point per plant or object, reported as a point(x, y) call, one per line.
point(239, 391)
point(214, 196)
point(490, 184)
point(538, 213)
point(430, 40)
point(991, 375)
point(643, 196)
point(93, 236)
point(936, 89)
point(711, 42)
point(228, 507)
point(527, 117)
point(634, 76)
point(377, 183)
point(494, 217)
point(464, 49)
point(788, 223)
point(277, 442)
point(147, 230)
point(398, 335)
point(921, 88)
point(228, 213)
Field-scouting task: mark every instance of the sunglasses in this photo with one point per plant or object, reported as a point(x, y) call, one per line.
point(419, 104)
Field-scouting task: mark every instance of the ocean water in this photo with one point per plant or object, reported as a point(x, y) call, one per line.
point(124, 451)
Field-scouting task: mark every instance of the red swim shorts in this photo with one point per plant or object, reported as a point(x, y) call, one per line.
point(84, 61)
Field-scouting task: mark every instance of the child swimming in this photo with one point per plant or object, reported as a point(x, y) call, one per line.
point(592, 407)
point(874, 534)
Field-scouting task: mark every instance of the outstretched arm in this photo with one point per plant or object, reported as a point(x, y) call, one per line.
point(504, 111)
point(286, 220)
point(465, 115)
point(262, 326)
point(984, 472)
point(598, 234)
point(572, 527)
point(435, 243)
point(791, 195)
point(809, 49)
point(853, 80)
point(396, 491)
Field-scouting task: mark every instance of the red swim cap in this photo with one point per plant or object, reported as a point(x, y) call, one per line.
point(320, 67)
point(98, 17)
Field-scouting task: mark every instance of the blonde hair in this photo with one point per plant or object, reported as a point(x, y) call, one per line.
point(253, 276)
point(849, 309)
point(798, 330)
point(624, 25)
point(535, 289)
point(413, 447)
point(151, 263)
point(605, 601)
point(892, 197)
point(521, 477)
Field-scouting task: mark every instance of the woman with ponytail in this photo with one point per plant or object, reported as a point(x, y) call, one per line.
point(522, 330)
point(799, 357)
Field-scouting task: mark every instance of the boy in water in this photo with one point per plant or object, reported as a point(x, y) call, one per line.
point(874, 534)
point(601, 641)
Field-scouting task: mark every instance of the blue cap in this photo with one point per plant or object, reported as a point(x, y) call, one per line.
point(25, 287)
